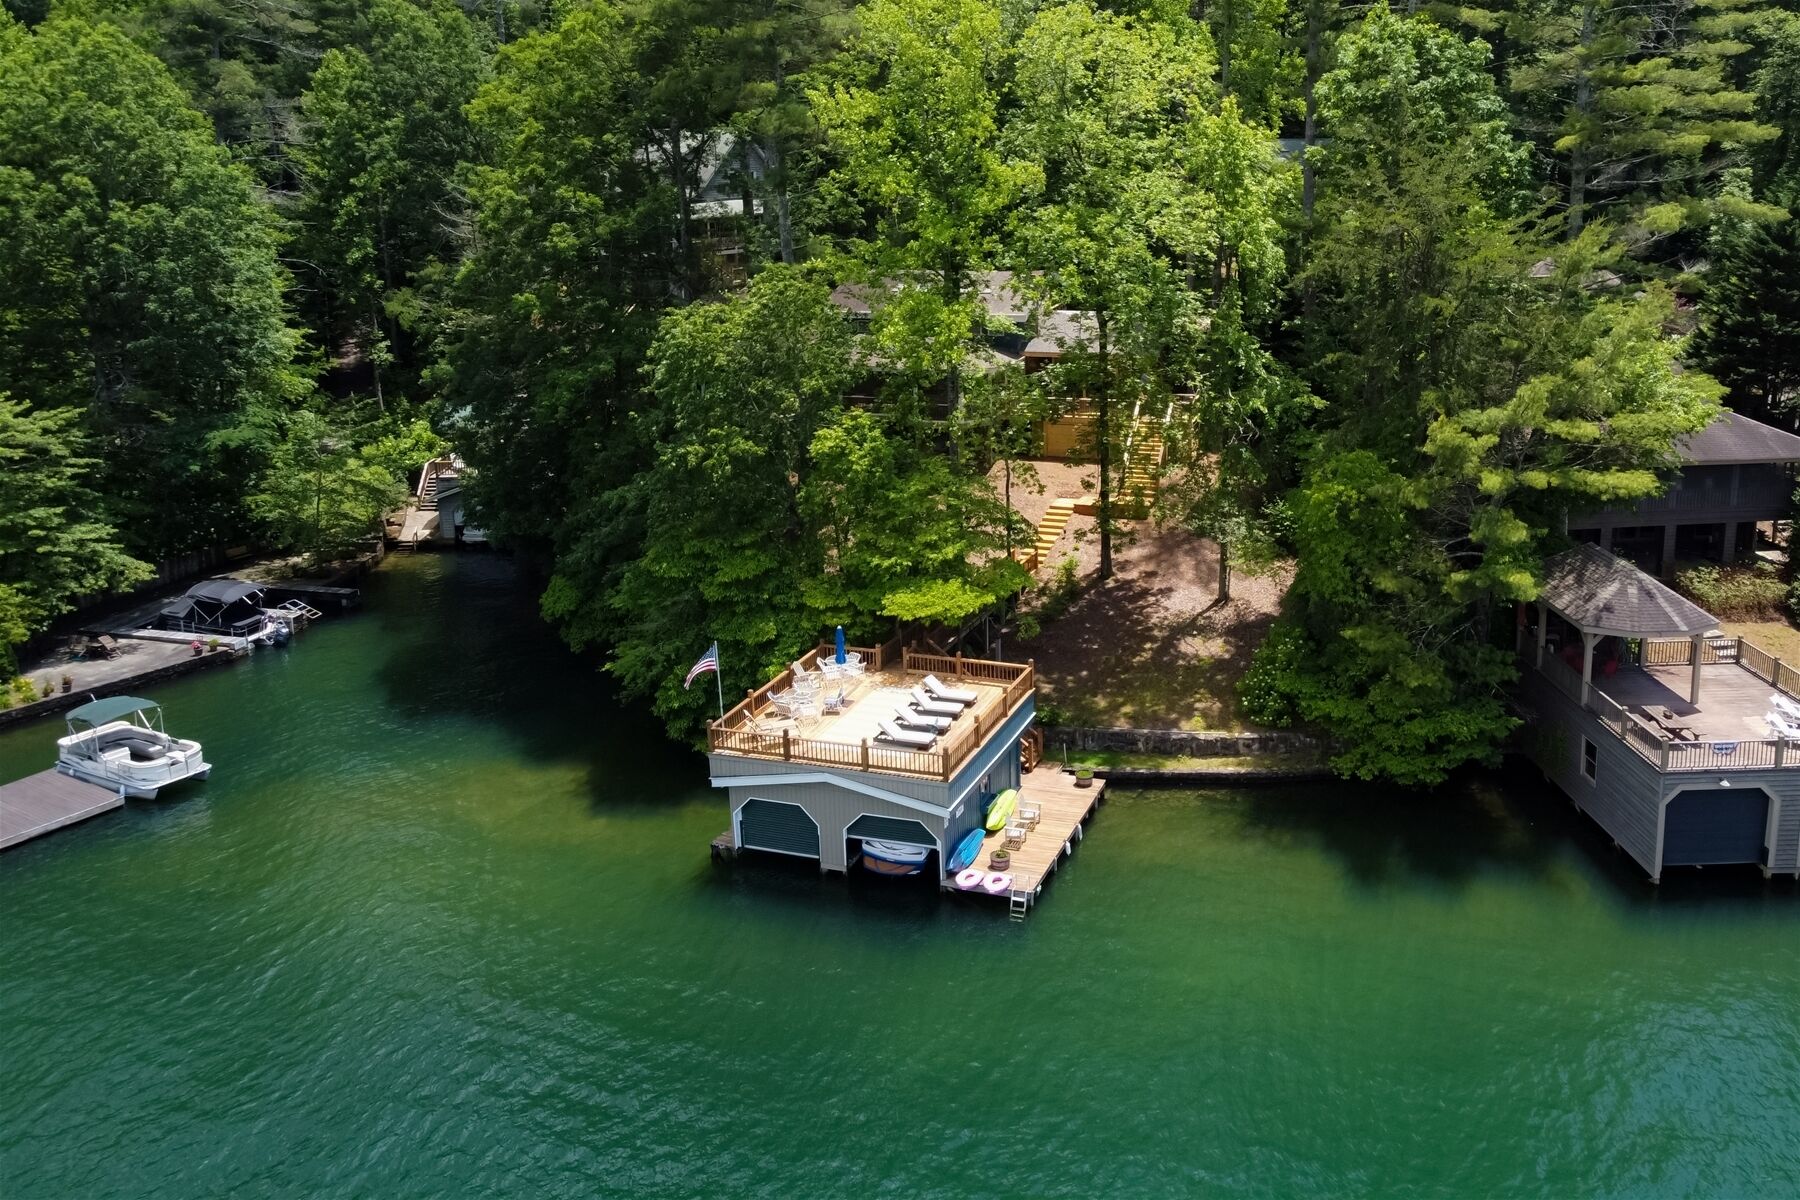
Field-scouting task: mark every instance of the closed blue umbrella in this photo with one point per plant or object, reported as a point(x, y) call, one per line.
point(840, 644)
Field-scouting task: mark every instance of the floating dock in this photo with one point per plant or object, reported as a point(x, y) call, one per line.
point(1064, 808)
point(48, 801)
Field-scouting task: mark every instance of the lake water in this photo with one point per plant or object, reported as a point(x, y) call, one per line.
point(443, 923)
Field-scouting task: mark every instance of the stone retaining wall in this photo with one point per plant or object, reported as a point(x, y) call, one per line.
point(1184, 742)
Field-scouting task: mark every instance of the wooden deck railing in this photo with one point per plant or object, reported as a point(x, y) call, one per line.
point(737, 733)
point(1719, 754)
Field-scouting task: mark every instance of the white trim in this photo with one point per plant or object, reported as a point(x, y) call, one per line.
point(737, 830)
point(843, 781)
point(1588, 743)
point(936, 843)
point(1662, 821)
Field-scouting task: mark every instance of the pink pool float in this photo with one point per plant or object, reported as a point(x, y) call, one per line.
point(995, 883)
point(969, 878)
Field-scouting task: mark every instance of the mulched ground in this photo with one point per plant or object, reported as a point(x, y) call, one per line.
point(1151, 647)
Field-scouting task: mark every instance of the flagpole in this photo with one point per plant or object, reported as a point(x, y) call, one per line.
point(718, 682)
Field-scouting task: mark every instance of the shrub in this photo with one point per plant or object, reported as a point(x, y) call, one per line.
point(1268, 689)
point(1754, 593)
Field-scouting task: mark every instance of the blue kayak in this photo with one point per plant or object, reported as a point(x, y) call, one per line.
point(966, 849)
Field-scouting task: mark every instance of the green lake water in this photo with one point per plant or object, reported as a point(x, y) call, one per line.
point(443, 923)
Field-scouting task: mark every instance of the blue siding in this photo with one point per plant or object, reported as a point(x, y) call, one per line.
point(999, 757)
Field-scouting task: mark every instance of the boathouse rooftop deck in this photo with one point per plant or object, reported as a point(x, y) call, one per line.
point(846, 737)
point(1645, 702)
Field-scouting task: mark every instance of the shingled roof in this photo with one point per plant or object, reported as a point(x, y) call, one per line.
point(1603, 593)
point(1735, 438)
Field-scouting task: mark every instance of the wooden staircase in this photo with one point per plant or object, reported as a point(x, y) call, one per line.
point(1143, 466)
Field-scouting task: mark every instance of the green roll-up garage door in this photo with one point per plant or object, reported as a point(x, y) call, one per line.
point(779, 826)
point(1715, 826)
point(891, 829)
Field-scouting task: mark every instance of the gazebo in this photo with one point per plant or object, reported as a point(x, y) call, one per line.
point(1602, 596)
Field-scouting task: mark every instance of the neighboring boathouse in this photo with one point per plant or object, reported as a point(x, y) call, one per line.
point(1682, 744)
point(814, 771)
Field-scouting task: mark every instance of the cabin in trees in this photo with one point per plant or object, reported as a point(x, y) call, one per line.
point(1019, 332)
point(813, 770)
point(1683, 744)
point(1736, 474)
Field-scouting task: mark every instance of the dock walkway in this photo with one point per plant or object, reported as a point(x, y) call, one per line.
point(47, 801)
point(1064, 809)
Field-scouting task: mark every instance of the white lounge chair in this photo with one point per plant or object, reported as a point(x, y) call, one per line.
point(1785, 706)
point(919, 721)
point(934, 708)
point(1781, 728)
point(952, 695)
point(887, 731)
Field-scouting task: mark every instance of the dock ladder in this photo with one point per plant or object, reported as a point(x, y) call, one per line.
point(1021, 904)
point(299, 608)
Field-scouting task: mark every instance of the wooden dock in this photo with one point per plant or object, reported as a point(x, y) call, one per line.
point(1065, 809)
point(47, 801)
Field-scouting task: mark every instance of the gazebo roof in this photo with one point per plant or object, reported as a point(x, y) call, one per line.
point(1602, 593)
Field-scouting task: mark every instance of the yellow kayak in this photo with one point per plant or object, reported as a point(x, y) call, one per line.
point(1001, 808)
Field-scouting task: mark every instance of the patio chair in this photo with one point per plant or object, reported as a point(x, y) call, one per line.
point(107, 646)
point(1015, 835)
point(949, 695)
point(1029, 815)
point(920, 722)
point(831, 669)
point(934, 708)
point(887, 731)
point(853, 663)
point(1785, 706)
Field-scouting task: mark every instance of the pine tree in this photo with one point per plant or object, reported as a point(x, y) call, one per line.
point(1749, 333)
point(1634, 101)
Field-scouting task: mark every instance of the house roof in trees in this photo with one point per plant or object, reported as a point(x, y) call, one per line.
point(1735, 438)
point(1602, 593)
point(1064, 329)
point(1003, 299)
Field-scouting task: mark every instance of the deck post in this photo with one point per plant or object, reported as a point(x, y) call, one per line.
point(959, 671)
point(1663, 764)
point(1588, 642)
point(1694, 672)
point(1780, 751)
point(787, 748)
point(865, 756)
point(1543, 631)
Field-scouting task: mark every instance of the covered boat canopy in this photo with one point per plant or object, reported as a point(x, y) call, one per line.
point(98, 712)
point(224, 591)
point(216, 606)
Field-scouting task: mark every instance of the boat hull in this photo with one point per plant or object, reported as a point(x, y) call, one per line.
point(885, 858)
point(136, 789)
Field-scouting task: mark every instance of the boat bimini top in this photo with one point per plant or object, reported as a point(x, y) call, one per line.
point(96, 713)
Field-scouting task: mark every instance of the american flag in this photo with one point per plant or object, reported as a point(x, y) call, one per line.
point(708, 662)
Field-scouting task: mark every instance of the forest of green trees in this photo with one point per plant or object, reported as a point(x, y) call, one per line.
point(1432, 274)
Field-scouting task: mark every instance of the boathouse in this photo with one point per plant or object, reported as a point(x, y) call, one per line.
point(1735, 474)
point(1678, 740)
point(812, 778)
